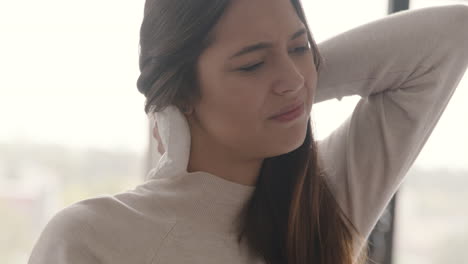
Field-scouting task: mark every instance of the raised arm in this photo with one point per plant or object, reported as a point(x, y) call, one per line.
point(405, 67)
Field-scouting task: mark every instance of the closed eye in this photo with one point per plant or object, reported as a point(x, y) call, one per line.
point(251, 68)
point(299, 50)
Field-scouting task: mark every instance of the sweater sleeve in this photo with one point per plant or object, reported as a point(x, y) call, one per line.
point(405, 66)
point(63, 240)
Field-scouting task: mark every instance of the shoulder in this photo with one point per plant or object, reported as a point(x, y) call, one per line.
point(103, 227)
point(65, 238)
point(110, 217)
point(70, 222)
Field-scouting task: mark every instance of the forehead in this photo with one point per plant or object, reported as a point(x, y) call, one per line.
point(256, 20)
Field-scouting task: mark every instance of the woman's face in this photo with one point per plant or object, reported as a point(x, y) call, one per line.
point(240, 93)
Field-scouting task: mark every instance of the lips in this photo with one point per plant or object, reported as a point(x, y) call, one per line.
point(287, 109)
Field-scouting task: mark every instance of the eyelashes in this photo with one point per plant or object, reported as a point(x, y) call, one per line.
point(251, 68)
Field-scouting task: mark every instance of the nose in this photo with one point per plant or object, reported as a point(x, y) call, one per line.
point(288, 78)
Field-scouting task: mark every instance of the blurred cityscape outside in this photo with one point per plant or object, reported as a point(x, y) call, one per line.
point(38, 180)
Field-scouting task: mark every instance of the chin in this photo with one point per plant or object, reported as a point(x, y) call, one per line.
point(289, 145)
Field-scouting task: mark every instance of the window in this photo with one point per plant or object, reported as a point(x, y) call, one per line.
point(431, 217)
point(72, 120)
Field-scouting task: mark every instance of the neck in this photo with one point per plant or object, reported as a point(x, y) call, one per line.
point(209, 156)
point(219, 164)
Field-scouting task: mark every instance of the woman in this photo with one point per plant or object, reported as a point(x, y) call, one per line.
point(239, 184)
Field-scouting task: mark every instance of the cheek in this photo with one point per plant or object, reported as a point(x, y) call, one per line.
point(311, 87)
point(234, 126)
point(231, 107)
point(231, 104)
point(310, 74)
point(240, 96)
point(236, 123)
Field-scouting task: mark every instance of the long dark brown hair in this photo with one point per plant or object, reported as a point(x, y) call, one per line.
point(292, 216)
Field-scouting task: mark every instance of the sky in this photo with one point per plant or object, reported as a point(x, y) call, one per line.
point(69, 71)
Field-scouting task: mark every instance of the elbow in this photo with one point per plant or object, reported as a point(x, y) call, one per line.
point(455, 36)
point(464, 19)
point(460, 19)
point(464, 11)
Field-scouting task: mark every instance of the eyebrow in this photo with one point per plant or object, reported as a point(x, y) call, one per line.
point(264, 45)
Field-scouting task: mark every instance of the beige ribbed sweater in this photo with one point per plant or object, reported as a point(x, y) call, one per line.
point(405, 67)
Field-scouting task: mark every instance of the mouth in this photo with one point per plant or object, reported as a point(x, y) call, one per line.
point(290, 115)
point(288, 110)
